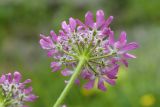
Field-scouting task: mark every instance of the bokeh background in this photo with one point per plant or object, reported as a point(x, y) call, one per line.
point(21, 22)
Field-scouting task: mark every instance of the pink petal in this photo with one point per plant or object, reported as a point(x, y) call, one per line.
point(2, 79)
point(111, 38)
point(61, 33)
point(110, 81)
point(66, 72)
point(107, 22)
point(54, 36)
point(124, 61)
point(77, 81)
point(122, 38)
point(72, 23)
point(80, 23)
point(22, 85)
point(89, 84)
point(121, 41)
point(89, 19)
point(51, 52)
point(28, 90)
point(46, 42)
point(129, 56)
point(130, 46)
point(55, 66)
point(112, 74)
point(9, 77)
point(27, 81)
point(65, 27)
point(101, 85)
point(17, 77)
point(30, 98)
point(99, 18)
point(106, 31)
point(87, 74)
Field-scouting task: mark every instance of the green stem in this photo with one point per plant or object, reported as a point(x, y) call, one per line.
point(70, 83)
point(69, 54)
point(92, 68)
point(104, 56)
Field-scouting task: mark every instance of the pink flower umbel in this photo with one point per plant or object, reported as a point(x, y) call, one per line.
point(88, 50)
point(13, 92)
point(95, 41)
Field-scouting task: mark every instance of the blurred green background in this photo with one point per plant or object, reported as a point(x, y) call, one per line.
point(21, 22)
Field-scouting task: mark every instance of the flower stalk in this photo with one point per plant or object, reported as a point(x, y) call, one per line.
point(71, 82)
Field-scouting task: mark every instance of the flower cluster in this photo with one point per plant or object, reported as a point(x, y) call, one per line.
point(93, 40)
point(13, 92)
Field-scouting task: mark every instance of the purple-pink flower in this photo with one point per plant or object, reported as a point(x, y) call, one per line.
point(121, 48)
point(14, 92)
point(108, 74)
point(95, 41)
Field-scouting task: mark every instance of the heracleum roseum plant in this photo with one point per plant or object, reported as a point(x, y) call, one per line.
point(87, 50)
point(14, 93)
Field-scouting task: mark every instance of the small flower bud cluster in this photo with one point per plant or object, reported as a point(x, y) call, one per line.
point(13, 92)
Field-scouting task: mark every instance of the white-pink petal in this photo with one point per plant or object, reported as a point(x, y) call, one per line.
point(129, 56)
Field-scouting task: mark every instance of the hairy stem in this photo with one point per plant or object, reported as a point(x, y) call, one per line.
point(70, 83)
